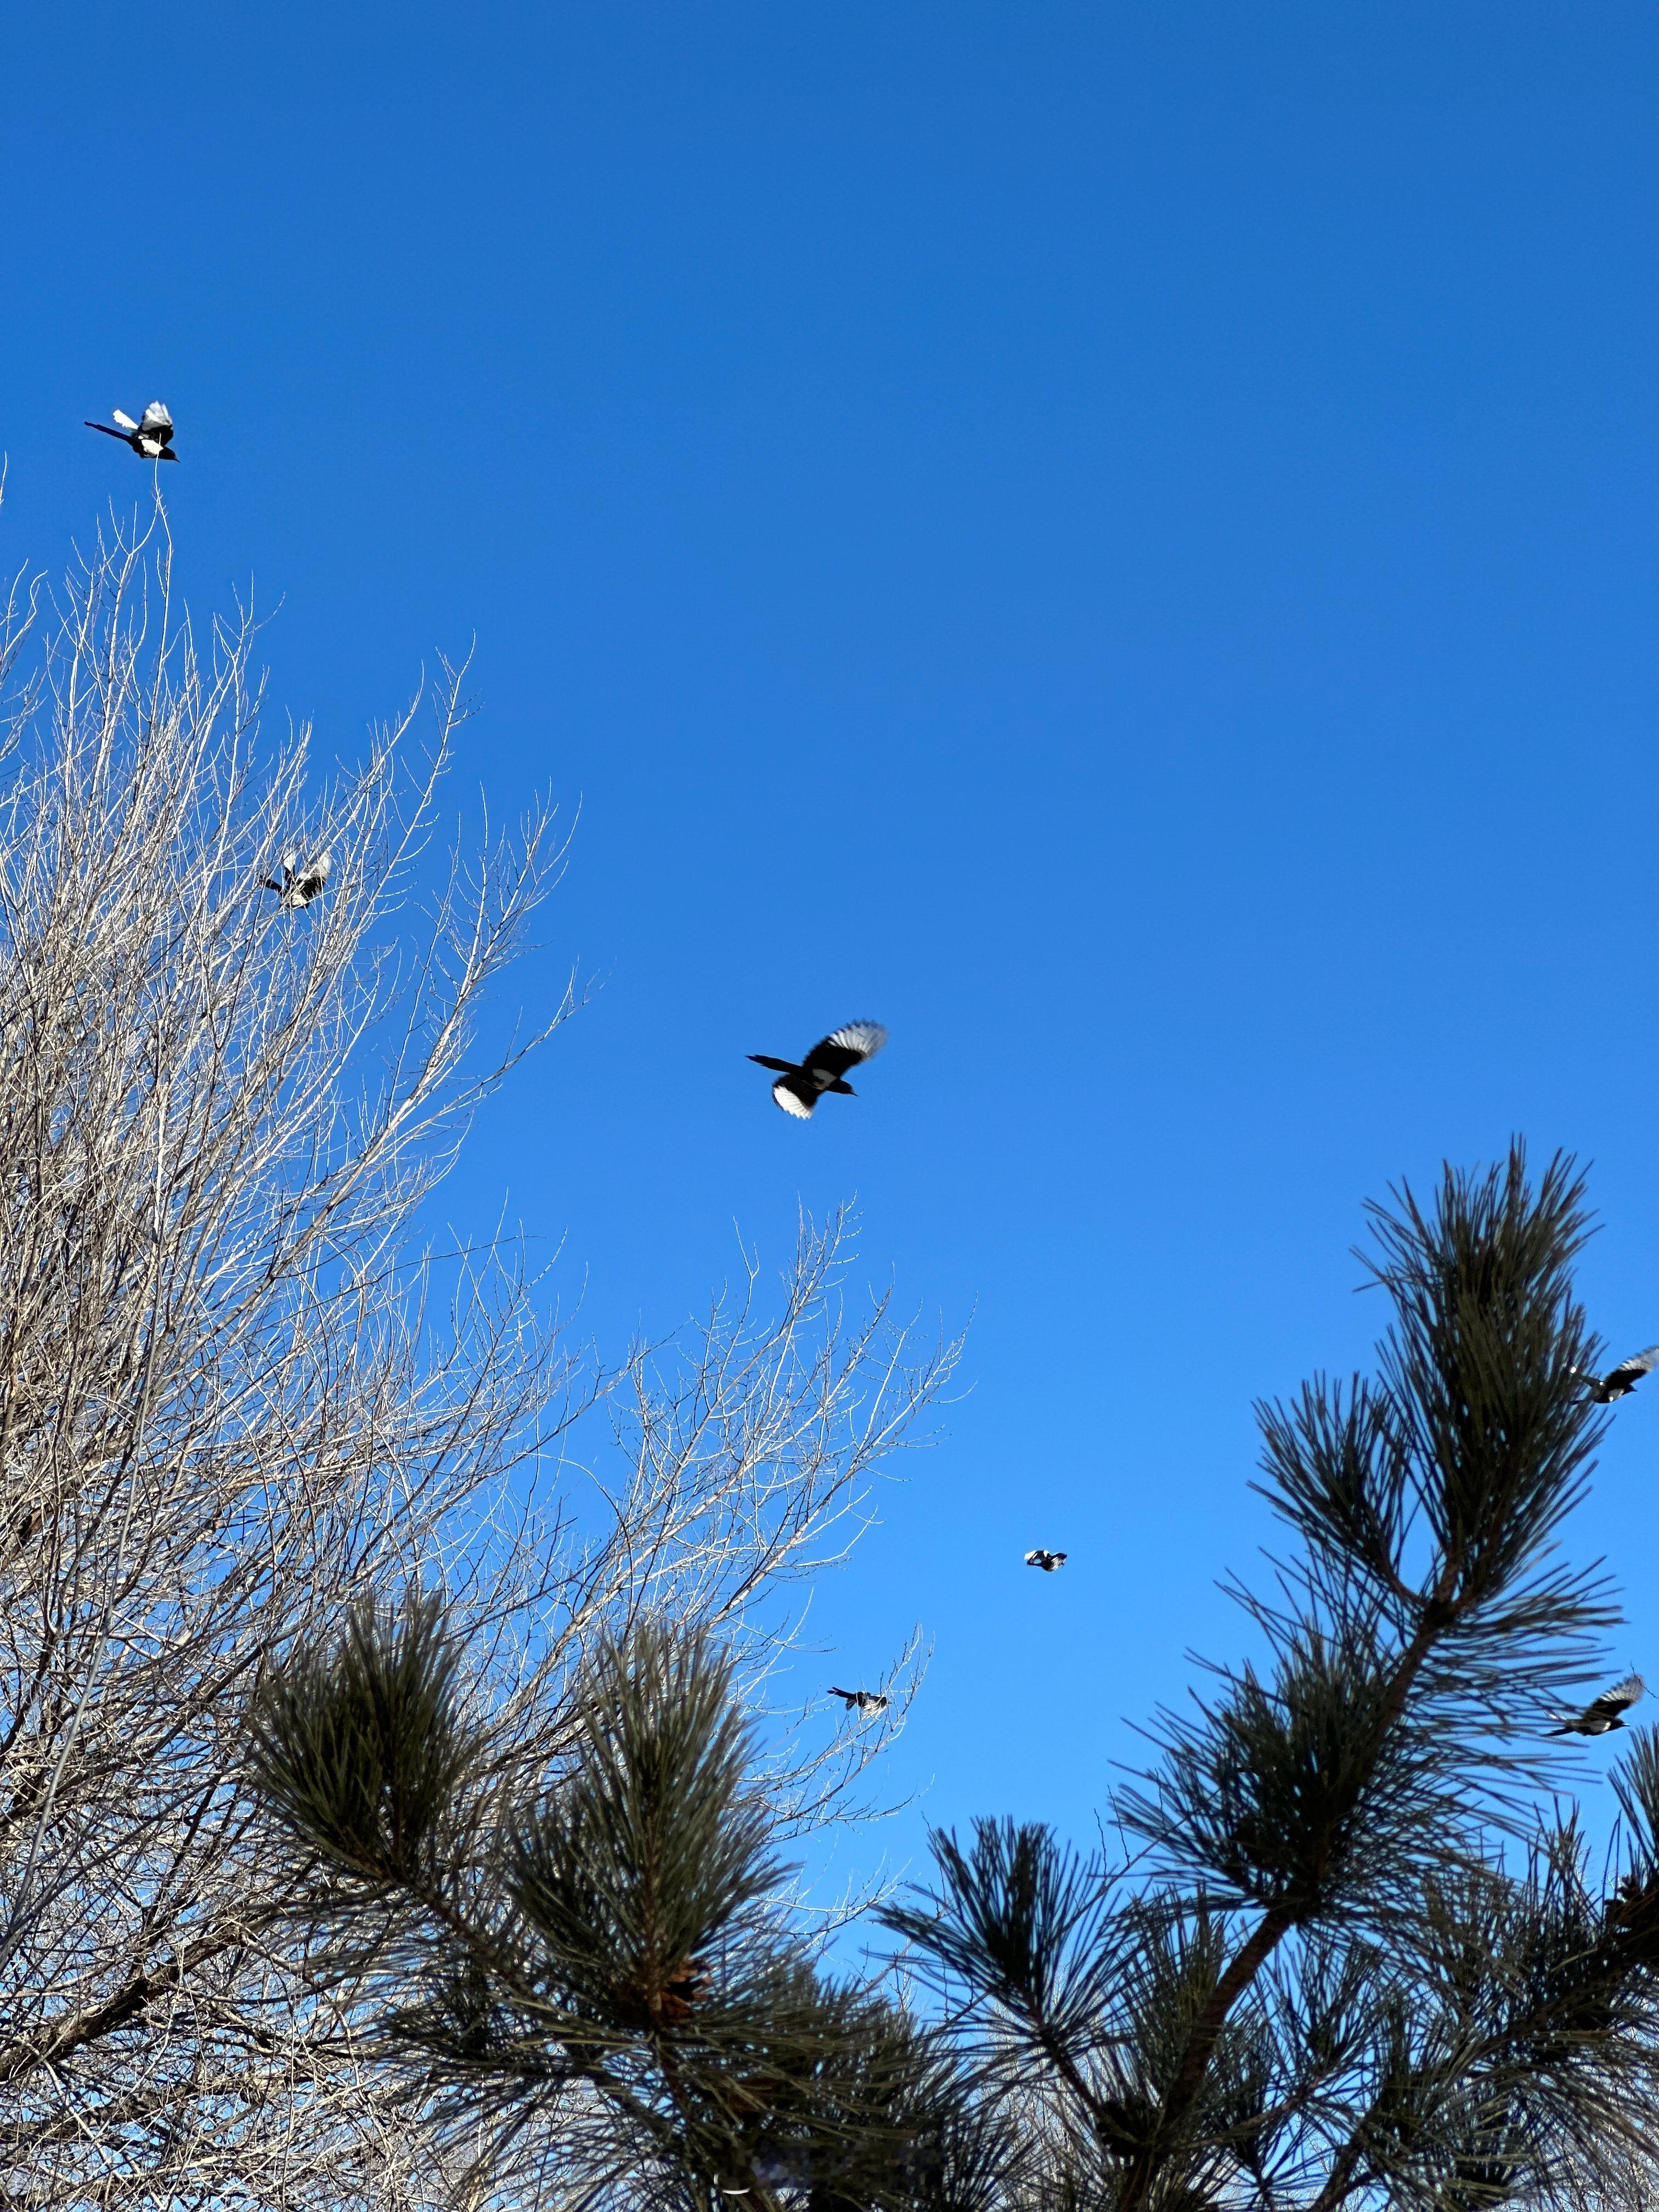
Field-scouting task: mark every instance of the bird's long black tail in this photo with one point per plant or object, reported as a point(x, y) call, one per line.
point(782, 1067)
point(107, 432)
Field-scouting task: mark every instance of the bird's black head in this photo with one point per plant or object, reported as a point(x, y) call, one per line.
point(167, 453)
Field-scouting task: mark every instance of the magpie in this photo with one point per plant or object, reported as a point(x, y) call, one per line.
point(1618, 1381)
point(1046, 1560)
point(299, 887)
point(800, 1086)
point(867, 1701)
point(150, 436)
point(1606, 1713)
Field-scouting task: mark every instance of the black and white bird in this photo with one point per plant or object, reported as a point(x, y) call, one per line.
point(867, 1701)
point(151, 435)
point(1607, 1712)
point(1046, 1560)
point(299, 887)
point(1618, 1381)
point(801, 1085)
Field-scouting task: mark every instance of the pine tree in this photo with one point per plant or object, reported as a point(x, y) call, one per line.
point(1351, 1951)
point(593, 1985)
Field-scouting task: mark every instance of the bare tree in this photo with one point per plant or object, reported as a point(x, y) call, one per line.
point(235, 1395)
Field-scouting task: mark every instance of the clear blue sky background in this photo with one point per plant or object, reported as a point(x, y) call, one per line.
point(1116, 539)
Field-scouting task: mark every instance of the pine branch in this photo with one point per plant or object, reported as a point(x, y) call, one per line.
point(619, 1927)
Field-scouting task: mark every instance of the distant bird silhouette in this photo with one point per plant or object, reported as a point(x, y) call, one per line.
point(1618, 1381)
point(1046, 1560)
point(150, 436)
point(1606, 1713)
point(867, 1701)
point(801, 1085)
point(299, 887)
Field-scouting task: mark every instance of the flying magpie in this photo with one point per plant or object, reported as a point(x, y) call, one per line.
point(1618, 1381)
point(801, 1085)
point(867, 1701)
point(1606, 1712)
point(299, 887)
point(150, 436)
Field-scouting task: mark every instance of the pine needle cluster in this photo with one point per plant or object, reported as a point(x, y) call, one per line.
point(595, 1981)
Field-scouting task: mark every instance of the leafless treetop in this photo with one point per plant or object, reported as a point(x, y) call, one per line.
point(234, 1394)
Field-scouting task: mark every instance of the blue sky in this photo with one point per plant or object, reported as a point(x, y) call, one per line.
point(1115, 540)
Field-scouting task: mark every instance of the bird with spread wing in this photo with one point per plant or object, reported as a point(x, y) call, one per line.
point(1046, 1560)
point(1606, 1712)
point(801, 1084)
point(151, 437)
point(1618, 1381)
point(867, 1701)
point(299, 887)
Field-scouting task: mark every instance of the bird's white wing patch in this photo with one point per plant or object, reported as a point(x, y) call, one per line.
point(786, 1099)
point(125, 421)
point(1624, 1693)
point(1644, 1363)
point(320, 866)
point(865, 1038)
point(155, 417)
